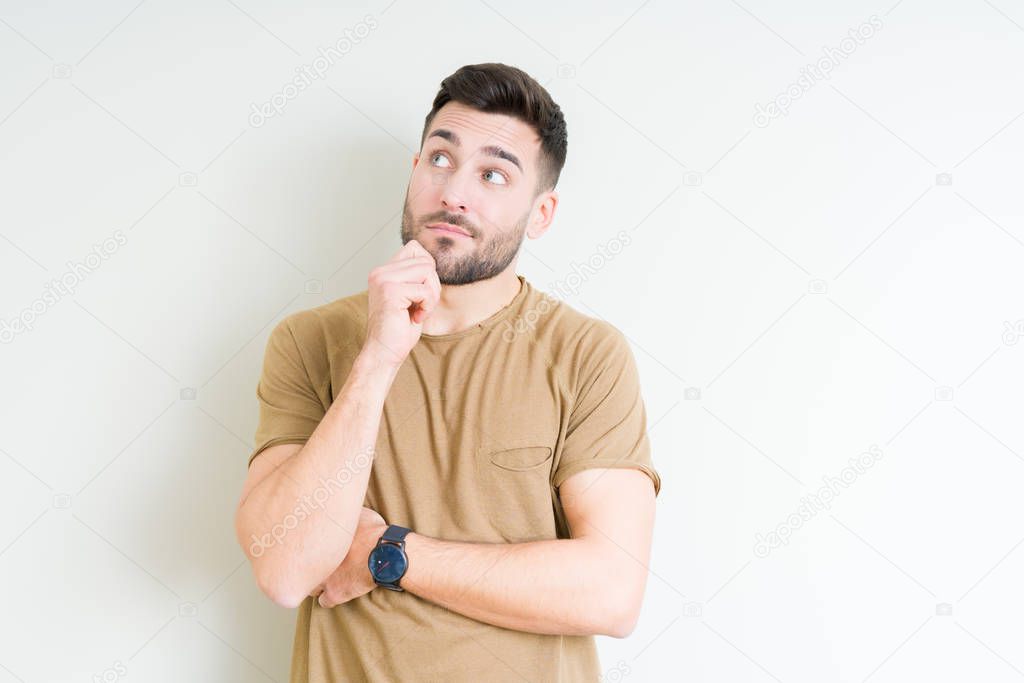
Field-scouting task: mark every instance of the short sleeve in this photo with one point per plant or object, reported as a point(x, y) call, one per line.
point(289, 406)
point(608, 424)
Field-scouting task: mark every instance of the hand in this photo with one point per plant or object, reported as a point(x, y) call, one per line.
point(352, 578)
point(402, 294)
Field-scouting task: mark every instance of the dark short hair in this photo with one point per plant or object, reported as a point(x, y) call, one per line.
point(502, 89)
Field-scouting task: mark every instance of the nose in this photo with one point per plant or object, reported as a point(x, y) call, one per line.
point(454, 207)
point(453, 196)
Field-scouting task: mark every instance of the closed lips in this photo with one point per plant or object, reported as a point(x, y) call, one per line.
point(448, 227)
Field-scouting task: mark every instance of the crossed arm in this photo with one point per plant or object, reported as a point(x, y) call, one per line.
point(592, 583)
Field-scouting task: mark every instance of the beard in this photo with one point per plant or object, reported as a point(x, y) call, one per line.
point(491, 256)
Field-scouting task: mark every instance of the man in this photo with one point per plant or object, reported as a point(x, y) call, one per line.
point(453, 480)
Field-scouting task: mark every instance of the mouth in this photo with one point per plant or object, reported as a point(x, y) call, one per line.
point(448, 228)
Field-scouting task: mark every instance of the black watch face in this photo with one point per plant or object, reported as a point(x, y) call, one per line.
point(387, 563)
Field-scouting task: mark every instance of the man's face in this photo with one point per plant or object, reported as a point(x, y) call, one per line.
point(478, 173)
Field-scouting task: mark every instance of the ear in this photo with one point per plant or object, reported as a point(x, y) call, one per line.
point(415, 159)
point(543, 214)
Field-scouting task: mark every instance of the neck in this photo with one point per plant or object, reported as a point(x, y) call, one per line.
point(462, 306)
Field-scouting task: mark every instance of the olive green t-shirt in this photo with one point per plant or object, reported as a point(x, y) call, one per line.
point(479, 430)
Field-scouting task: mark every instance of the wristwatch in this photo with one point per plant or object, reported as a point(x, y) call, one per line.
point(388, 560)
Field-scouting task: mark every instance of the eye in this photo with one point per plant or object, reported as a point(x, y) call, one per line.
point(503, 180)
point(435, 155)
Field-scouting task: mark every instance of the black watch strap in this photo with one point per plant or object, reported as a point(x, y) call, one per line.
point(395, 534)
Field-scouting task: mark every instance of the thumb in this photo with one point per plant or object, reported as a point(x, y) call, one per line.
point(417, 249)
point(408, 250)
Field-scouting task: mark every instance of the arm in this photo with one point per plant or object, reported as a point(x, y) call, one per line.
point(300, 506)
point(592, 583)
point(292, 552)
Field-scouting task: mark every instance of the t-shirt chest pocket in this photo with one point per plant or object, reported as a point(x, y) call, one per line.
point(514, 489)
point(522, 458)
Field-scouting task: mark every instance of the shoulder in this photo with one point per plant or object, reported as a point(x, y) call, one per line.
point(328, 324)
point(575, 339)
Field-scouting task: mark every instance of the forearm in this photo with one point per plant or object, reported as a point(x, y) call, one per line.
point(564, 586)
point(309, 506)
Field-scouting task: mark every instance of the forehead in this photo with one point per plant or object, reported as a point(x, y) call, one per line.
point(477, 129)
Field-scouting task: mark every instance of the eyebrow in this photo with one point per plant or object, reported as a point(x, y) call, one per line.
point(490, 150)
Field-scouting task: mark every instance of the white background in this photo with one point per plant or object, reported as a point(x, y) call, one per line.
point(795, 294)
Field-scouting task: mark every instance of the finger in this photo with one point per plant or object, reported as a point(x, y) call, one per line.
point(322, 601)
point(416, 298)
point(430, 302)
point(419, 250)
point(413, 270)
point(425, 308)
point(406, 294)
point(405, 252)
point(424, 300)
point(409, 249)
point(435, 283)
